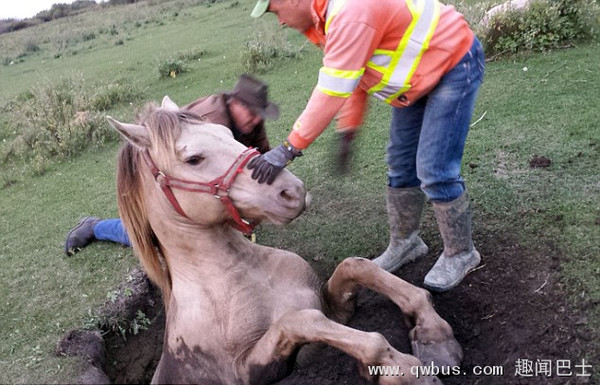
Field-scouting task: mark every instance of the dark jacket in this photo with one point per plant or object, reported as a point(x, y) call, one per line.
point(214, 109)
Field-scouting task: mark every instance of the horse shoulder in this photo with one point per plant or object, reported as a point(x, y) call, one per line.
point(287, 264)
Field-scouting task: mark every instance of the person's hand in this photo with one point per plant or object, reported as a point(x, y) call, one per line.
point(268, 165)
point(345, 140)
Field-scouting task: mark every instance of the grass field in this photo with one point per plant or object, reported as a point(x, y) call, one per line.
point(542, 104)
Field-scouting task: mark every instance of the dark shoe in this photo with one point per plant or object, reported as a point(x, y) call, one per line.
point(81, 236)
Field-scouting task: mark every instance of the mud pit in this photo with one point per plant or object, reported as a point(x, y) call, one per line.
point(511, 308)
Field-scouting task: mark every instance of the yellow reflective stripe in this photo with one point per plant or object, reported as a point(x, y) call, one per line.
point(387, 74)
point(344, 74)
point(415, 64)
point(336, 82)
point(332, 9)
point(334, 93)
point(396, 77)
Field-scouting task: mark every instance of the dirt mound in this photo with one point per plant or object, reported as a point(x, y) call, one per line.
point(510, 311)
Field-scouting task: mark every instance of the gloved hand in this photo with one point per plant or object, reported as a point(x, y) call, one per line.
point(344, 150)
point(268, 165)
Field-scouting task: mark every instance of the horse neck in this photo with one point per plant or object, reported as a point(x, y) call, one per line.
point(193, 251)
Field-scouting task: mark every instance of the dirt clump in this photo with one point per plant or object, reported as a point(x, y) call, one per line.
point(540, 162)
point(90, 346)
point(126, 346)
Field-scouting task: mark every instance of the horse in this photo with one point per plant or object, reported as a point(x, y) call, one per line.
point(238, 312)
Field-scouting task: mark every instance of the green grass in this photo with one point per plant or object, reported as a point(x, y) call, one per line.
point(548, 110)
point(44, 294)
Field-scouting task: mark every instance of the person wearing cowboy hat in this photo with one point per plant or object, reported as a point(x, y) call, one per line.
point(243, 110)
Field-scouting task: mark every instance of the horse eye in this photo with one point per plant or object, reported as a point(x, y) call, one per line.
point(194, 160)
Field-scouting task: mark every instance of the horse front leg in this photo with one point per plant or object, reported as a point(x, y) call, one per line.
point(264, 362)
point(432, 338)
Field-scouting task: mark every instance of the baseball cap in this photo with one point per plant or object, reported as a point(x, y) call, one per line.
point(260, 8)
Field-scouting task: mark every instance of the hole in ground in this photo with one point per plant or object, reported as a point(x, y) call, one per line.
point(512, 308)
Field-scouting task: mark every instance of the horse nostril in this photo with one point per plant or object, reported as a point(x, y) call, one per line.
point(288, 195)
point(293, 196)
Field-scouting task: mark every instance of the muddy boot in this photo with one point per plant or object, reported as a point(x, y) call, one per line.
point(81, 236)
point(404, 207)
point(459, 256)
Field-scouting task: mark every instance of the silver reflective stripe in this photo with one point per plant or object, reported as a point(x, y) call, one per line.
point(410, 48)
point(330, 7)
point(381, 60)
point(333, 7)
point(341, 83)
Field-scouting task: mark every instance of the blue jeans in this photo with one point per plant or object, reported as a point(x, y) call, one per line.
point(427, 139)
point(111, 230)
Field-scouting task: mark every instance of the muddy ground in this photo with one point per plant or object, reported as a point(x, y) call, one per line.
point(512, 308)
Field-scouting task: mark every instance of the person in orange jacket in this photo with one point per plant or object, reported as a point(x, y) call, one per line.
point(420, 57)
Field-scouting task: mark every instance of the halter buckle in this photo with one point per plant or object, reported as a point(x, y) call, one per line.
point(160, 177)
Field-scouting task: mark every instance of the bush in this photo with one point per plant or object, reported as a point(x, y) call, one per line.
point(544, 25)
point(88, 36)
point(54, 121)
point(60, 120)
point(171, 68)
point(31, 47)
point(113, 94)
point(265, 48)
point(191, 55)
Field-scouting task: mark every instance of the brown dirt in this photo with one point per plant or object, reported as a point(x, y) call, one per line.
point(512, 308)
point(540, 162)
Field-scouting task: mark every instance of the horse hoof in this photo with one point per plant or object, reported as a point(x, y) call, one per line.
point(445, 353)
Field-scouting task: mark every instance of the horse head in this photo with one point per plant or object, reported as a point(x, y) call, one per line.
point(194, 162)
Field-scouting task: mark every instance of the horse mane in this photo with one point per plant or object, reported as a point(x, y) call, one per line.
point(164, 129)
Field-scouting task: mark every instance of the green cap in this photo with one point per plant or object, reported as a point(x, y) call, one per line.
point(260, 8)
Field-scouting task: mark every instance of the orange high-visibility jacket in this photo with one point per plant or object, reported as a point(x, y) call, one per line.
point(395, 50)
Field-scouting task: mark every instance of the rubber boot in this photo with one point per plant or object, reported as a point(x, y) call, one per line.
point(404, 207)
point(81, 235)
point(459, 256)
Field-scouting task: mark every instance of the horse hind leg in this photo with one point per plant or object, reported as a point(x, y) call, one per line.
point(297, 328)
point(432, 338)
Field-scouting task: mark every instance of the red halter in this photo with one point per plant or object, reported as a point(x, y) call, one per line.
point(218, 187)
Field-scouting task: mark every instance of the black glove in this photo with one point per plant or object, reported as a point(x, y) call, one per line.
point(344, 150)
point(268, 165)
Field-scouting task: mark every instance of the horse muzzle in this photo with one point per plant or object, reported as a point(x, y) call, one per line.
point(287, 198)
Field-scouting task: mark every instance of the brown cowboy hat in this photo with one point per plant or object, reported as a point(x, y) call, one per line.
point(254, 94)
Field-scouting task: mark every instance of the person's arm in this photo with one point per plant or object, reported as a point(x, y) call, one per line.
point(348, 48)
point(319, 112)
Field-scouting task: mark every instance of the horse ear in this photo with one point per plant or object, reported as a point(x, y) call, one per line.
point(169, 105)
point(135, 134)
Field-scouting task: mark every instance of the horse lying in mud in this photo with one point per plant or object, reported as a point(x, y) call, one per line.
point(238, 312)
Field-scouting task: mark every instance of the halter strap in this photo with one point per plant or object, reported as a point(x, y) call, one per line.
point(218, 187)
